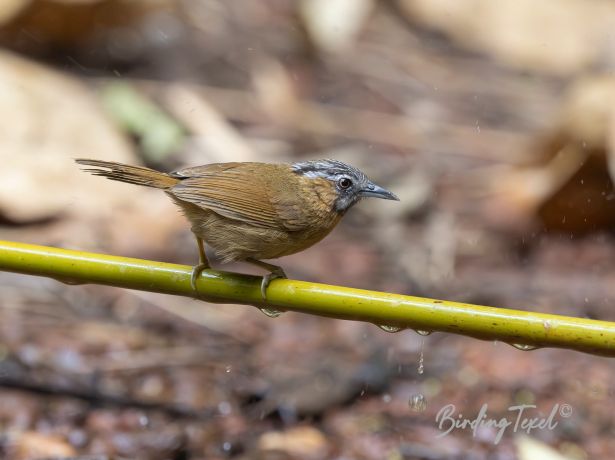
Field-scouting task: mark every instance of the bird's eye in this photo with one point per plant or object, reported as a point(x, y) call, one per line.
point(344, 183)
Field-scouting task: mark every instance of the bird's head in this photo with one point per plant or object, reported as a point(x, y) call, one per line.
point(350, 183)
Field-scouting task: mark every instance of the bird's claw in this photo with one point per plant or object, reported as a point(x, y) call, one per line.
point(196, 272)
point(268, 278)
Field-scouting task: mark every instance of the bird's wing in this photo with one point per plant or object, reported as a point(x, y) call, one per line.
point(238, 191)
point(210, 169)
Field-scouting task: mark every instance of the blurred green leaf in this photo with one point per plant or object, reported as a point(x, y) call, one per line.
point(159, 134)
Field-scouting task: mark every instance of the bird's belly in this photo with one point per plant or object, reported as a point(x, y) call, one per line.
point(233, 240)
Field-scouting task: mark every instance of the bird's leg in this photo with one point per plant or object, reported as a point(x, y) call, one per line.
point(203, 263)
point(274, 272)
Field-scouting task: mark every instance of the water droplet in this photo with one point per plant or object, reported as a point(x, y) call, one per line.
point(422, 332)
point(391, 329)
point(421, 367)
point(225, 408)
point(271, 312)
point(143, 420)
point(417, 402)
point(524, 346)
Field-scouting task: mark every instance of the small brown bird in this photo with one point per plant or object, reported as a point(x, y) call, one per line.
point(254, 211)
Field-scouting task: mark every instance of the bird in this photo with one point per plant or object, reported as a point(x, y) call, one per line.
point(250, 211)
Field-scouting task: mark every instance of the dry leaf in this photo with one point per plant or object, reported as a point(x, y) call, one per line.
point(531, 449)
point(11, 8)
point(305, 442)
point(31, 445)
point(588, 113)
point(333, 25)
point(43, 24)
point(49, 119)
point(217, 139)
point(571, 185)
point(553, 36)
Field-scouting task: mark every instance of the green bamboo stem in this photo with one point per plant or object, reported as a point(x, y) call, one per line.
point(528, 330)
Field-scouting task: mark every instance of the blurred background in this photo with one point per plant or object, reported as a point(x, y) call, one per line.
point(493, 122)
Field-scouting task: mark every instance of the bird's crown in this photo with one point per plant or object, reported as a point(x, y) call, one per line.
point(327, 169)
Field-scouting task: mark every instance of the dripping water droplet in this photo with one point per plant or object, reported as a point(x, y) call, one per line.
point(391, 329)
point(523, 346)
point(272, 313)
point(417, 402)
point(422, 332)
point(421, 367)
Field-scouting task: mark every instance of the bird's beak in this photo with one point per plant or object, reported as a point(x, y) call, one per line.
point(375, 191)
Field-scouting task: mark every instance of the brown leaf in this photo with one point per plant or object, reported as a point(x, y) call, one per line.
point(333, 25)
point(74, 23)
point(28, 445)
point(49, 119)
point(302, 441)
point(553, 36)
point(10, 8)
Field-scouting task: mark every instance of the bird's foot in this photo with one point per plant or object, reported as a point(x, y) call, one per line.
point(196, 272)
point(269, 277)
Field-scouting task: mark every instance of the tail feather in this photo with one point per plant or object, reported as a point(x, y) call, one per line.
point(131, 174)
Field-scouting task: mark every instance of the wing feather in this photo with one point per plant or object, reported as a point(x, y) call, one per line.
point(240, 191)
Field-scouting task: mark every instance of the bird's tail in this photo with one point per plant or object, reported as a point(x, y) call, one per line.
point(131, 174)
